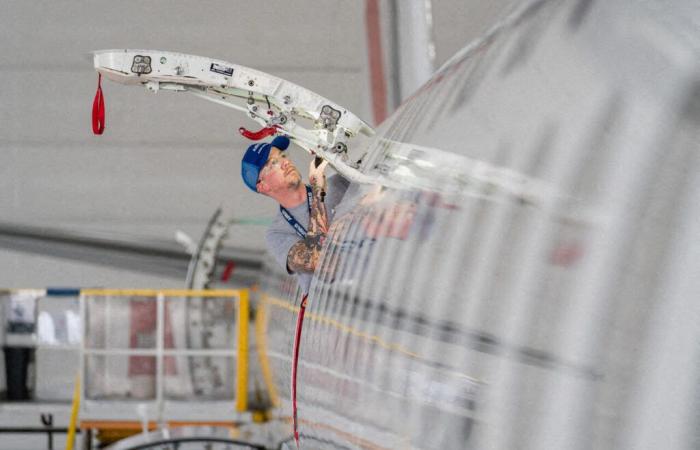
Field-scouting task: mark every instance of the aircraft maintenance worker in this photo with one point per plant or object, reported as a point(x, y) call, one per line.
point(296, 236)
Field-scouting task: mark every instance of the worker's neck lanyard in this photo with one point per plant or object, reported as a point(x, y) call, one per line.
point(301, 231)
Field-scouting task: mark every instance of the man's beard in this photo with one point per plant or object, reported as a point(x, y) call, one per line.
point(295, 183)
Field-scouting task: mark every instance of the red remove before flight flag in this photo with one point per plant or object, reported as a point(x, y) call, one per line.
point(98, 109)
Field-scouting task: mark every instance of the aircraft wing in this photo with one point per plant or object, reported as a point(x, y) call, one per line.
point(157, 257)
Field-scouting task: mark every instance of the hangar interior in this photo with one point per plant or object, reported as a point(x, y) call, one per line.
point(85, 211)
point(510, 258)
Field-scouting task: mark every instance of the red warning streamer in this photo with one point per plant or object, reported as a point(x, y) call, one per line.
point(98, 109)
point(295, 360)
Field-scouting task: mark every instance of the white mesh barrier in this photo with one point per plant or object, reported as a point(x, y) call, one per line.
point(173, 355)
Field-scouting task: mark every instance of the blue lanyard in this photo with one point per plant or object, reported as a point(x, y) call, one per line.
point(301, 231)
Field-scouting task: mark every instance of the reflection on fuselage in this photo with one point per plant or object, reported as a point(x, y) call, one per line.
point(511, 280)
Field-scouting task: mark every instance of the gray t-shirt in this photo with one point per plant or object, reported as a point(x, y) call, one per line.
point(281, 236)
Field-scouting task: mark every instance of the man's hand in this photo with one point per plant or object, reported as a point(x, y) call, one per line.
point(317, 177)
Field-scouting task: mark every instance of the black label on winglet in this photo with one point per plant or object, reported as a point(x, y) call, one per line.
point(223, 70)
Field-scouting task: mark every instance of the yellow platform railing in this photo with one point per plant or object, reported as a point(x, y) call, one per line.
point(241, 297)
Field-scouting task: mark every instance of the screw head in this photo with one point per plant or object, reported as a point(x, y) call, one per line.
point(163, 60)
point(251, 83)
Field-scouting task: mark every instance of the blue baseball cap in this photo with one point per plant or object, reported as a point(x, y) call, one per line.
point(255, 158)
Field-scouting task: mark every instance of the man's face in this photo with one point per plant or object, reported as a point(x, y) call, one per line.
point(278, 174)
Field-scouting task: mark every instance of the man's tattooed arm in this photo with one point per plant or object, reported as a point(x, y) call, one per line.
point(305, 254)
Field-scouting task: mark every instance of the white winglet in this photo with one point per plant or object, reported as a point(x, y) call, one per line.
point(313, 122)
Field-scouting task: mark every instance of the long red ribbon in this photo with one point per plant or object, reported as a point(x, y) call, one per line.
point(295, 360)
point(98, 109)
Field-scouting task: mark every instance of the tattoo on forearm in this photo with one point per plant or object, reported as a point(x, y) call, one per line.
point(305, 254)
point(318, 220)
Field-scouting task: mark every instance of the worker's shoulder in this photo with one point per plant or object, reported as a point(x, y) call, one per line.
point(278, 225)
point(338, 178)
point(338, 181)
